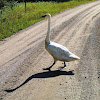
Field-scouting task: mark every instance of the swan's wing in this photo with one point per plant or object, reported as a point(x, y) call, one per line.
point(58, 51)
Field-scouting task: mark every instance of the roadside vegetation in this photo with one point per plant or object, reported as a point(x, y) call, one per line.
point(13, 16)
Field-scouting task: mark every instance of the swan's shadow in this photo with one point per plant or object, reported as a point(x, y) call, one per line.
point(47, 74)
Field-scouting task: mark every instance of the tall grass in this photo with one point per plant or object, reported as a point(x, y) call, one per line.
point(12, 21)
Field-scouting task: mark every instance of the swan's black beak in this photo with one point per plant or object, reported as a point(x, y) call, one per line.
point(44, 16)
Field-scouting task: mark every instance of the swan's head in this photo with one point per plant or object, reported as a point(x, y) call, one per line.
point(47, 16)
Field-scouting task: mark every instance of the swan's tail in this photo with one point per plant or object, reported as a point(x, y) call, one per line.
point(74, 57)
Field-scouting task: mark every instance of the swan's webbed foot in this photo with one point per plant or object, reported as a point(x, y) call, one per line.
point(49, 67)
point(64, 64)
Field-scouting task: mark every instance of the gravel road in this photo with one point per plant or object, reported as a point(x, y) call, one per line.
point(23, 57)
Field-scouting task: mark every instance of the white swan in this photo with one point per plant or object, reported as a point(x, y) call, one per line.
point(57, 51)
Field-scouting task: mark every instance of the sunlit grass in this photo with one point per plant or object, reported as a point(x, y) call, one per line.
point(12, 21)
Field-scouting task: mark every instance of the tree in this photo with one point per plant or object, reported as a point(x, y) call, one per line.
point(25, 5)
point(2, 3)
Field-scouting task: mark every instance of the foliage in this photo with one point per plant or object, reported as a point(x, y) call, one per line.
point(2, 3)
point(13, 20)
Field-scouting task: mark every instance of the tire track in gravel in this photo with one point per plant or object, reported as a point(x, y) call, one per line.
point(87, 74)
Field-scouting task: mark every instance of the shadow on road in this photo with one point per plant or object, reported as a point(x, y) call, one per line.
point(47, 74)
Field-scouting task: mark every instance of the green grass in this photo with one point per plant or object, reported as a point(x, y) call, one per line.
point(11, 21)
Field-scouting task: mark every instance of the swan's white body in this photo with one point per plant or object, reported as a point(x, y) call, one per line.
point(60, 52)
point(57, 51)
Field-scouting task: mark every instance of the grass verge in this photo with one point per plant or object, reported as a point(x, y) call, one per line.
point(11, 21)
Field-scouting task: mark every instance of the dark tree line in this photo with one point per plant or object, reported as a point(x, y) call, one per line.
point(43, 0)
point(4, 3)
point(11, 2)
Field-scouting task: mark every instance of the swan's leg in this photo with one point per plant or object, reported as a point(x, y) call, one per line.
point(64, 64)
point(52, 65)
point(49, 67)
point(60, 68)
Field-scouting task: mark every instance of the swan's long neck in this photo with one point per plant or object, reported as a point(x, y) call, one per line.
point(48, 32)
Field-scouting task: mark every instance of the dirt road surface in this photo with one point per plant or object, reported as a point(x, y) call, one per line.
point(23, 57)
